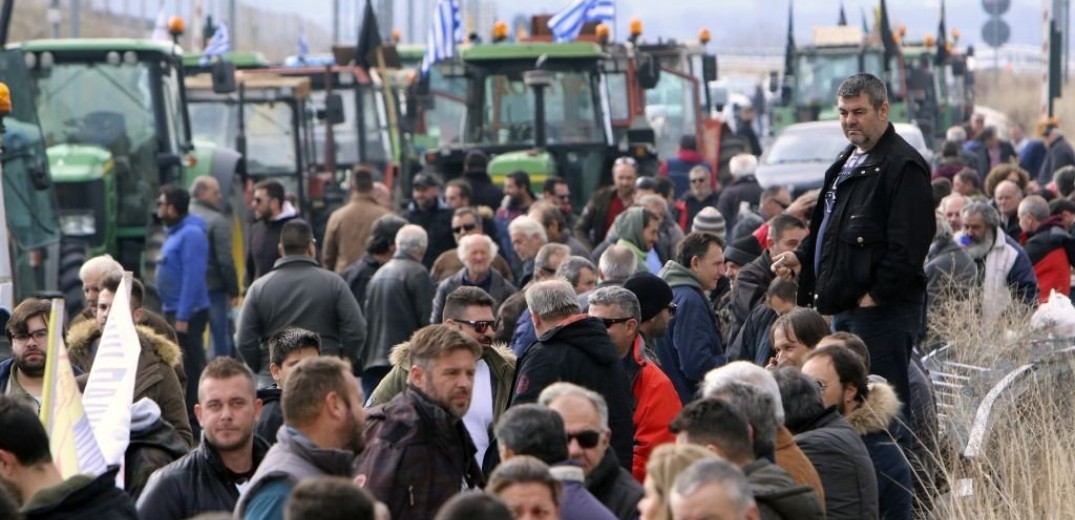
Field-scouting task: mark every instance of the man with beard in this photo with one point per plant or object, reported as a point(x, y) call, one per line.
point(30, 477)
point(420, 453)
point(470, 311)
point(1004, 269)
point(324, 419)
point(211, 477)
point(271, 210)
point(22, 375)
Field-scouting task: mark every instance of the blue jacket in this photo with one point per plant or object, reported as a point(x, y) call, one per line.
point(692, 345)
point(524, 334)
point(182, 267)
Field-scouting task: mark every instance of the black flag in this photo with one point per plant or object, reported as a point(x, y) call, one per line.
point(942, 39)
point(887, 38)
point(789, 49)
point(843, 16)
point(369, 38)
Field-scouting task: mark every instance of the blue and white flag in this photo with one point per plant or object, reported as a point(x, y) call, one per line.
point(219, 44)
point(304, 48)
point(566, 24)
point(446, 29)
point(160, 27)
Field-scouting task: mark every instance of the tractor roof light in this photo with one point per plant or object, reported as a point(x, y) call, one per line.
point(500, 31)
point(704, 36)
point(635, 27)
point(176, 26)
point(603, 33)
point(5, 100)
point(397, 35)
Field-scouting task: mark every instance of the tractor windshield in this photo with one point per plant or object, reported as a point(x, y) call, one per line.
point(270, 136)
point(110, 107)
point(572, 111)
point(821, 74)
point(671, 109)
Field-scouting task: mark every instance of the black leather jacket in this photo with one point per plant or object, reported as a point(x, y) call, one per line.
point(878, 234)
point(197, 483)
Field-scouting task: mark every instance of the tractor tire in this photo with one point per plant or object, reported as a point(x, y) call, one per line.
point(72, 256)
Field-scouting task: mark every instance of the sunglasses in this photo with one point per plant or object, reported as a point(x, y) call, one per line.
point(564, 197)
point(630, 161)
point(781, 203)
point(480, 326)
point(587, 438)
point(458, 230)
point(610, 322)
point(698, 181)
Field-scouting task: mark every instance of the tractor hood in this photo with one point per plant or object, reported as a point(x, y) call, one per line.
point(537, 163)
point(70, 163)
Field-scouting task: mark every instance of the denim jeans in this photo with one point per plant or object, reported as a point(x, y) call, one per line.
point(193, 349)
point(889, 332)
point(221, 330)
point(371, 377)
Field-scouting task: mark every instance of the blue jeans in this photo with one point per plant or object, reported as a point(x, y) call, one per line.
point(889, 332)
point(220, 327)
point(371, 377)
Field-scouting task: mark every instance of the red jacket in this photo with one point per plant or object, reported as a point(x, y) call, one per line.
point(1052, 251)
point(657, 403)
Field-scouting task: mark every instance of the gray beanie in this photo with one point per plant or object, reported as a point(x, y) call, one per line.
point(709, 220)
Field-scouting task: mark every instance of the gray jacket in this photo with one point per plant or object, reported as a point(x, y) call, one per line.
point(499, 288)
point(399, 298)
point(299, 292)
point(294, 458)
point(220, 275)
point(950, 272)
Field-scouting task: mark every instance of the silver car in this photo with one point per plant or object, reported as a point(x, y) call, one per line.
point(802, 152)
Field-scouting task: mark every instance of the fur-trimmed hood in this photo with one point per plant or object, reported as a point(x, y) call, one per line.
point(81, 336)
point(878, 412)
point(401, 354)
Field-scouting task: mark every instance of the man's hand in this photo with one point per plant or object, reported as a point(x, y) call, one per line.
point(867, 301)
point(786, 265)
point(802, 206)
point(181, 327)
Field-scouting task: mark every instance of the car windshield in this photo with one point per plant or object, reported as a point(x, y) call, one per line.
point(812, 144)
point(571, 112)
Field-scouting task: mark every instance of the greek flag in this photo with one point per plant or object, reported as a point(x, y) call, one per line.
point(440, 43)
point(304, 48)
point(219, 44)
point(566, 24)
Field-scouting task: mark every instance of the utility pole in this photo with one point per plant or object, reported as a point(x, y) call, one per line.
point(233, 25)
point(54, 17)
point(335, 21)
point(75, 22)
point(412, 31)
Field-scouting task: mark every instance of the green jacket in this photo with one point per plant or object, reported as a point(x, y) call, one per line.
point(501, 362)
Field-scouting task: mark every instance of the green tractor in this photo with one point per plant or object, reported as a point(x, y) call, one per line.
point(809, 91)
point(30, 264)
point(115, 123)
point(539, 107)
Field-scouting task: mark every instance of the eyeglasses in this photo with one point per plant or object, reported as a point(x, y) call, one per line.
point(672, 308)
point(39, 335)
point(699, 180)
point(782, 204)
point(609, 322)
point(459, 230)
point(479, 326)
point(587, 438)
point(630, 161)
point(564, 197)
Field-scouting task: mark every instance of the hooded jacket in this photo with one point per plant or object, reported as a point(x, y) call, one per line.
point(153, 445)
point(184, 260)
point(1052, 251)
point(692, 345)
point(579, 351)
point(778, 496)
point(198, 483)
point(293, 458)
point(871, 420)
point(657, 404)
point(843, 463)
point(264, 241)
point(157, 375)
point(501, 363)
point(629, 227)
point(81, 497)
point(417, 455)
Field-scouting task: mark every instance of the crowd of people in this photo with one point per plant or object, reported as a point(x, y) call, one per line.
point(680, 349)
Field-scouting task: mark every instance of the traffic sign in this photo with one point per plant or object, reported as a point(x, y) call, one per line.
point(996, 32)
point(996, 7)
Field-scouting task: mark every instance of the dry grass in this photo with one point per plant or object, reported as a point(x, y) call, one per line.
point(1020, 98)
point(1025, 468)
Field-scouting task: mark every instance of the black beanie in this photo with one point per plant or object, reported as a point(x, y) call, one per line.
point(653, 293)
